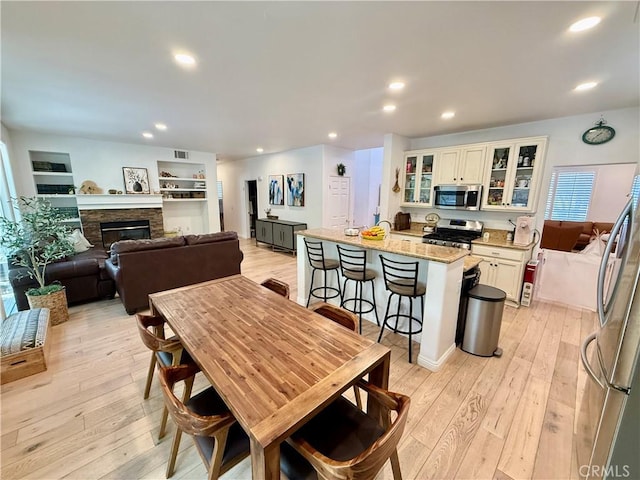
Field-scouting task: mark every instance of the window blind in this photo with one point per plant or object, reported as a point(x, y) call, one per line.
point(569, 195)
point(635, 189)
point(219, 189)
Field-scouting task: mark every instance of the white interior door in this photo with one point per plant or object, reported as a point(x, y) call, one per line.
point(339, 201)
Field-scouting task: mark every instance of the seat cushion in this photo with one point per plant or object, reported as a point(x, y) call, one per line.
point(341, 432)
point(329, 264)
point(357, 275)
point(166, 358)
point(407, 290)
point(24, 330)
point(206, 403)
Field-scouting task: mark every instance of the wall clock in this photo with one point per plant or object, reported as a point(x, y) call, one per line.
point(599, 134)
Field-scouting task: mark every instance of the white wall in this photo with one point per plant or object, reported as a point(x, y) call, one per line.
point(564, 147)
point(102, 162)
point(368, 172)
point(235, 174)
point(608, 195)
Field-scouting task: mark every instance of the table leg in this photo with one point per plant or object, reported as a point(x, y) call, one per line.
point(265, 462)
point(379, 377)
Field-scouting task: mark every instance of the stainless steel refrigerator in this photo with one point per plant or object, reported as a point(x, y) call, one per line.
point(608, 428)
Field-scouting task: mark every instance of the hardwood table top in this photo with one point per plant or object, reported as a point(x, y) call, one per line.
point(274, 362)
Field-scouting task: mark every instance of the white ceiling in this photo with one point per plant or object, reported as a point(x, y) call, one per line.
point(282, 75)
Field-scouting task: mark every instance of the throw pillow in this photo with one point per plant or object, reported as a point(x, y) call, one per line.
point(79, 242)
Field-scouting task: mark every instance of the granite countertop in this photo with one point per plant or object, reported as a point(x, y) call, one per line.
point(470, 262)
point(414, 231)
point(498, 238)
point(420, 250)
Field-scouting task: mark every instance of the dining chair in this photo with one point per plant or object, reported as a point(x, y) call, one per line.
point(344, 318)
point(218, 437)
point(401, 280)
point(165, 352)
point(273, 284)
point(343, 442)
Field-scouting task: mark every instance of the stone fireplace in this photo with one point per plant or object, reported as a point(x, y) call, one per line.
point(92, 220)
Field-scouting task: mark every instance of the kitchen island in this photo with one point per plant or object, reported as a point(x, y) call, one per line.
point(440, 268)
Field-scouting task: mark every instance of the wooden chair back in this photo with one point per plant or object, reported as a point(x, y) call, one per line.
point(275, 285)
point(337, 314)
point(367, 464)
point(186, 420)
point(151, 330)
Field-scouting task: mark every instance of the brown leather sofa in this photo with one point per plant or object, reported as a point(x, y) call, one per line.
point(566, 236)
point(141, 267)
point(83, 275)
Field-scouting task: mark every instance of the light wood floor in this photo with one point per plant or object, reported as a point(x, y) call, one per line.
point(480, 418)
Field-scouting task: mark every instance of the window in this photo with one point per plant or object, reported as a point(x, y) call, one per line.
point(569, 194)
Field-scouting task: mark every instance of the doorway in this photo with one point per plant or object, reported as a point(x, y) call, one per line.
point(252, 189)
point(339, 201)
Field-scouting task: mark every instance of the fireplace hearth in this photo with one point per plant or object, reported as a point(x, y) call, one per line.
point(124, 230)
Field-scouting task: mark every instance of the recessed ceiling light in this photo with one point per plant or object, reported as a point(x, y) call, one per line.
point(147, 134)
point(259, 149)
point(333, 135)
point(185, 59)
point(448, 115)
point(396, 85)
point(585, 86)
point(160, 126)
point(389, 108)
point(584, 24)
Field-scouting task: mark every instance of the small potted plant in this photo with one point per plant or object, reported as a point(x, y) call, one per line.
point(35, 239)
point(341, 169)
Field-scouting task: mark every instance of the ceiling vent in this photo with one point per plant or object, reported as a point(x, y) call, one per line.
point(181, 154)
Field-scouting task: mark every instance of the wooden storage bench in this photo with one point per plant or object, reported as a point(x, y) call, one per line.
point(24, 344)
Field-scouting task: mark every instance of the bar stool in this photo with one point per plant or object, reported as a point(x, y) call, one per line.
point(353, 265)
point(401, 279)
point(315, 254)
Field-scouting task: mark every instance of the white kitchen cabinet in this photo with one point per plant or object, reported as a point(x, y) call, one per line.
point(417, 178)
point(461, 166)
point(502, 268)
point(513, 178)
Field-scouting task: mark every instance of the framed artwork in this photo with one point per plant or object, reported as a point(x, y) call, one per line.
point(295, 189)
point(276, 190)
point(136, 180)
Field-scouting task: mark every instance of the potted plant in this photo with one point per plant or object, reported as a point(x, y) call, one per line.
point(35, 239)
point(341, 169)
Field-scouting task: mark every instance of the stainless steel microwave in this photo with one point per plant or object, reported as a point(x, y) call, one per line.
point(460, 197)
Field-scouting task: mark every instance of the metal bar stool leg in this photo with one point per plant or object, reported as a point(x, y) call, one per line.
point(313, 273)
point(375, 306)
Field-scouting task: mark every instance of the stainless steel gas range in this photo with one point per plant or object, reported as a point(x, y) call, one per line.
point(455, 233)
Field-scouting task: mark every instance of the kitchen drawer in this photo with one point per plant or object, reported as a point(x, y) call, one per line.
point(497, 252)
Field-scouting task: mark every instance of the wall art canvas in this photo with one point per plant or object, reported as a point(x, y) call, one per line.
point(276, 190)
point(136, 180)
point(295, 189)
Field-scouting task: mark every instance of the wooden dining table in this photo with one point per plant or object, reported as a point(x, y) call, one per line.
point(274, 363)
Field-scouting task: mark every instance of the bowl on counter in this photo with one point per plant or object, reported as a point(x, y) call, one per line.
point(351, 232)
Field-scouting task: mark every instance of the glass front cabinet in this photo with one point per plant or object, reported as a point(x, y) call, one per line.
point(418, 176)
point(514, 173)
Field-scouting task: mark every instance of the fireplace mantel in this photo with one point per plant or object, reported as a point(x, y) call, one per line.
point(111, 202)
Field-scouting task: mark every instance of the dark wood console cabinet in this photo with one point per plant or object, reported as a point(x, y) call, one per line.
point(278, 233)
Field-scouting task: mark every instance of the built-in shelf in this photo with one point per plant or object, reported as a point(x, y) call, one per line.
point(184, 200)
point(183, 179)
point(56, 195)
point(111, 202)
point(71, 220)
point(52, 174)
point(182, 189)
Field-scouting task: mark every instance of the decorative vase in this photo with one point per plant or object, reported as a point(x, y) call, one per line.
point(56, 302)
point(137, 187)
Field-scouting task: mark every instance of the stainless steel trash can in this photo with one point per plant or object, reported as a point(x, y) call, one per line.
point(484, 318)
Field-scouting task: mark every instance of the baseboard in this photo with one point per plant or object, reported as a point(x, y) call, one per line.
point(435, 366)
